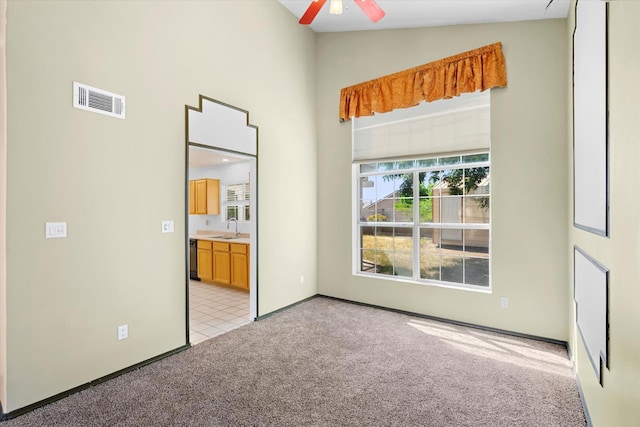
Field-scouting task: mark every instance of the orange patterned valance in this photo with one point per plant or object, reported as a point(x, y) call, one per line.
point(478, 69)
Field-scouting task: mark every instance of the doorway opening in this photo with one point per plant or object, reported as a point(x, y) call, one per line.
point(221, 175)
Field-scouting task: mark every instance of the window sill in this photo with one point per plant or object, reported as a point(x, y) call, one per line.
point(446, 285)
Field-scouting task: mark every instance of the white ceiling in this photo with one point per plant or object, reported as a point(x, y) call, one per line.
point(429, 13)
point(407, 14)
point(201, 157)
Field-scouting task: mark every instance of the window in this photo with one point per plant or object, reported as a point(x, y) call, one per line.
point(421, 192)
point(426, 219)
point(236, 203)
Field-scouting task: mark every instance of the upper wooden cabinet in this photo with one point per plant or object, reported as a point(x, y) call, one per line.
point(192, 197)
point(204, 197)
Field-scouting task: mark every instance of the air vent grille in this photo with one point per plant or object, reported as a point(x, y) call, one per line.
point(98, 100)
point(82, 98)
point(118, 106)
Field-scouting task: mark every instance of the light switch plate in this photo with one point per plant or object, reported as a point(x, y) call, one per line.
point(55, 230)
point(167, 226)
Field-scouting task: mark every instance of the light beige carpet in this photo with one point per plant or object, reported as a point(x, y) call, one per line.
point(331, 363)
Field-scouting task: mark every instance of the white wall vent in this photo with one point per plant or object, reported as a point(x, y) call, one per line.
point(98, 100)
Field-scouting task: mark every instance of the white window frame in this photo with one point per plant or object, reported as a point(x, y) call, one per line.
point(415, 225)
point(240, 204)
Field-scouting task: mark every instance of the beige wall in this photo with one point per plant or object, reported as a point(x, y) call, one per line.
point(528, 173)
point(3, 203)
point(616, 402)
point(113, 181)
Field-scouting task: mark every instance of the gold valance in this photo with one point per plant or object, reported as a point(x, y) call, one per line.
point(478, 69)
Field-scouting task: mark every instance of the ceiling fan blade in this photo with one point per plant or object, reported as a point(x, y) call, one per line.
point(371, 9)
point(311, 12)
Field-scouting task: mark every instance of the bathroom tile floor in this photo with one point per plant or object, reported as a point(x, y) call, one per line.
point(214, 310)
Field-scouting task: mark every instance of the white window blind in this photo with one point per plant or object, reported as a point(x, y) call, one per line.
point(237, 192)
point(449, 125)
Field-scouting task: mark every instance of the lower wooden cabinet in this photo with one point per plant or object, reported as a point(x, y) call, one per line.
point(225, 263)
point(240, 265)
point(221, 263)
point(205, 260)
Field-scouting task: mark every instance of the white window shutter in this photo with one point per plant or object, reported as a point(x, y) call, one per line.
point(450, 125)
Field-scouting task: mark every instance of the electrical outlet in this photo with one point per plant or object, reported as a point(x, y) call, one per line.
point(302, 279)
point(123, 332)
point(504, 302)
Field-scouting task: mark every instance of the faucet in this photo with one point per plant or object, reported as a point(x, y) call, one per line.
point(236, 221)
